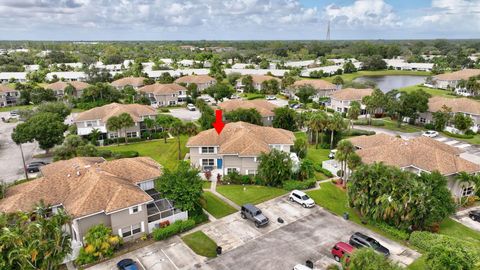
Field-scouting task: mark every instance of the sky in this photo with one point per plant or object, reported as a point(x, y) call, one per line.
point(238, 19)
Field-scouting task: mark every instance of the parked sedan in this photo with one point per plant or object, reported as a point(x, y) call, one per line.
point(430, 134)
point(474, 215)
point(191, 107)
point(127, 264)
point(360, 240)
point(270, 97)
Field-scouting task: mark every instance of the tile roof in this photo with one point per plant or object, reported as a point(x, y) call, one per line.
point(133, 81)
point(6, 88)
point(97, 187)
point(465, 105)
point(463, 74)
point(316, 83)
point(198, 79)
point(262, 78)
point(115, 109)
point(62, 85)
point(351, 94)
point(424, 153)
point(243, 139)
point(264, 107)
point(162, 89)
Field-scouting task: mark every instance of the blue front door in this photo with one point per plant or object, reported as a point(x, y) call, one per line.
point(219, 163)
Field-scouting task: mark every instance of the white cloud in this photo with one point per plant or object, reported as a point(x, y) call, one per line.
point(363, 13)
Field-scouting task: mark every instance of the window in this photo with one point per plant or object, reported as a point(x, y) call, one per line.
point(136, 228)
point(127, 231)
point(172, 102)
point(132, 134)
point(422, 120)
point(251, 172)
point(339, 109)
point(208, 162)
point(208, 150)
point(135, 209)
point(467, 191)
point(90, 123)
point(230, 170)
point(113, 135)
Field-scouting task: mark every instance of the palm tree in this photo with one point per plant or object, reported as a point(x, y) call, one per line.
point(94, 135)
point(464, 177)
point(165, 121)
point(126, 121)
point(344, 149)
point(353, 112)
point(177, 128)
point(149, 124)
point(353, 162)
point(114, 124)
point(335, 123)
point(317, 123)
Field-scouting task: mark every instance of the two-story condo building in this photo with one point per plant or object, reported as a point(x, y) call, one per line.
point(8, 96)
point(263, 107)
point(466, 106)
point(97, 118)
point(69, 76)
point(322, 87)
point(119, 194)
point(164, 94)
point(450, 80)
point(59, 88)
point(418, 155)
point(341, 99)
point(202, 81)
point(257, 81)
point(237, 148)
point(135, 82)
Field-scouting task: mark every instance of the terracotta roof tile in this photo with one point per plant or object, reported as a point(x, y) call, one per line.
point(243, 139)
point(6, 88)
point(133, 81)
point(198, 79)
point(115, 109)
point(162, 89)
point(463, 74)
point(62, 85)
point(464, 105)
point(264, 107)
point(316, 83)
point(351, 94)
point(95, 188)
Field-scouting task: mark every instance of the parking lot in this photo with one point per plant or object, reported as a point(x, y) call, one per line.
point(171, 254)
point(462, 217)
point(309, 238)
point(11, 164)
point(185, 114)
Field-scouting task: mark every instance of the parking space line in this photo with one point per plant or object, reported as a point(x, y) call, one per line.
point(169, 259)
point(141, 264)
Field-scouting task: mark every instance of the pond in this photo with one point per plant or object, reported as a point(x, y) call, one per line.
point(389, 82)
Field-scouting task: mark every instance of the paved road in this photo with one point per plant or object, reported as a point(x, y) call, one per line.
point(309, 238)
point(462, 217)
point(11, 165)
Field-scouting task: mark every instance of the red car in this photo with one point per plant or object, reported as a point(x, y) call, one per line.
point(340, 250)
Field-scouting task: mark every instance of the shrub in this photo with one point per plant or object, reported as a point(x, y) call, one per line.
point(99, 244)
point(233, 178)
point(320, 169)
point(178, 226)
point(460, 136)
point(469, 132)
point(429, 126)
point(397, 233)
point(330, 110)
point(255, 96)
point(104, 153)
point(364, 122)
point(125, 154)
point(357, 132)
point(164, 110)
point(295, 184)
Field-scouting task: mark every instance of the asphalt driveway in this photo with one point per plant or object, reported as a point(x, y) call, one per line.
point(462, 217)
point(309, 238)
point(184, 114)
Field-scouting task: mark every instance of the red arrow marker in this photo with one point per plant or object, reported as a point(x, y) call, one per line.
point(218, 124)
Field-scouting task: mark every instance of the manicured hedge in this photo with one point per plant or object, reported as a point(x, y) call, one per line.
point(295, 184)
point(320, 169)
point(460, 136)
point(177, 227)
point(399, 234)
point(125, 154)
point(357, 132)
point(364, 122)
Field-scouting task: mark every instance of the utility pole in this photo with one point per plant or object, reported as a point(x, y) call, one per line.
point(328, 31)
point(23, 159)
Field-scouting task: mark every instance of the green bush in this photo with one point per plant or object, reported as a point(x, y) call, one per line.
point(469, 132)
point(426, 240)
point(460, 136)
point(397, 233)
point(320, 169)
point(255, 96)
point(295, 184)
point(330, 110)
point(104, 153)
point(429, 126)
point(357, 132)
point(178, 226)
point(125, 154)
point(164, 110)
point(364, 122)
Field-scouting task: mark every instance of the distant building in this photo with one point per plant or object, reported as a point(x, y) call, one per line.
point(69, 76)
point(8, 96)
point(264, 108)
point(135, 82)
point(257, 81)
point(97, 118)
point(322, 87)
point(342, 99)
point(400, 64)
point(202, 81)
point(450, 80)
point(6, 77)
point(164, 94)
point(59, 88)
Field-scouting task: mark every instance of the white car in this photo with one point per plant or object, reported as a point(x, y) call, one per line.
point(301, 267)
point(430, 133)
point(270, 97)
point(191, 107)
point(301, 198)
point(332, 153)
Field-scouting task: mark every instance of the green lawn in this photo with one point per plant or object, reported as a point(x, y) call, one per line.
point(474, 140)
point(206, 184)
point(249, 194)
point(393, 125)
point(201, 244)
point(316, 155)
point(418, 264)
point(13, 108)
point(431, 91)
point(215, 206)
point(165, 154)
point(352, 76)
